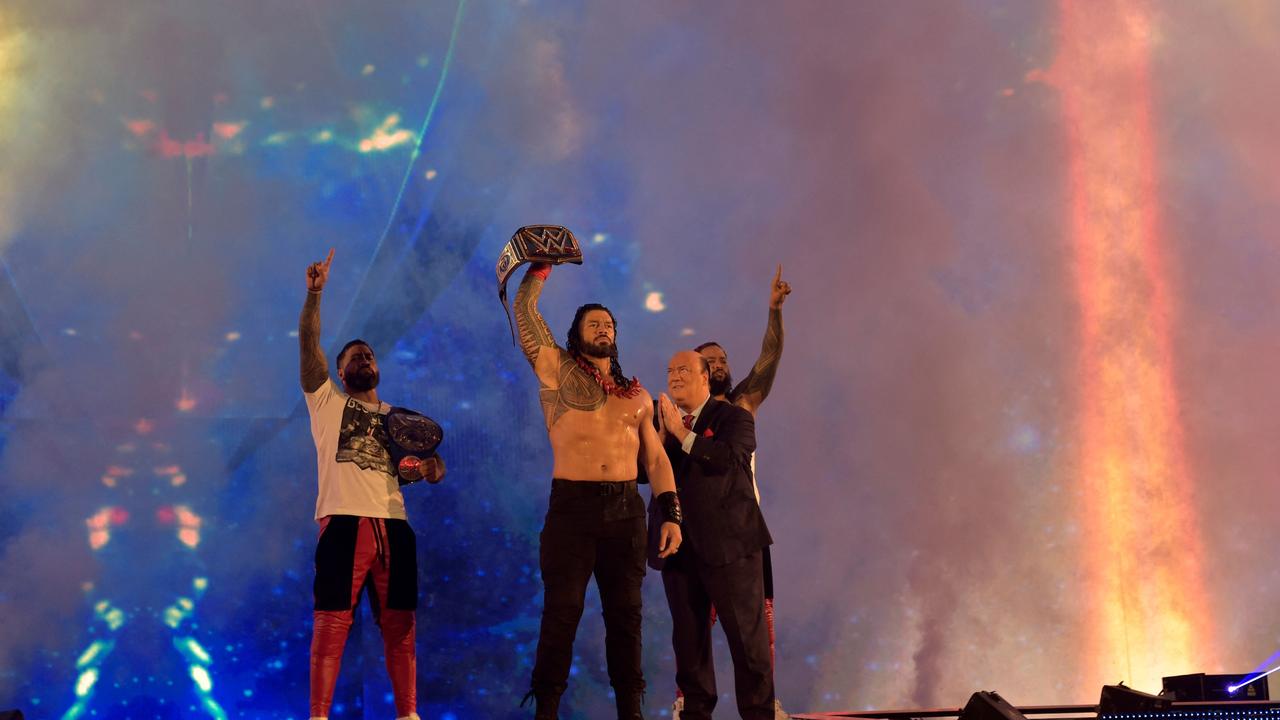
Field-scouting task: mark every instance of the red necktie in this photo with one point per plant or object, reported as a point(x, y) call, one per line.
point(688, 422)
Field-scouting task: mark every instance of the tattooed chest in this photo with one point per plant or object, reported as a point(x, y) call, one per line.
point(573, 390)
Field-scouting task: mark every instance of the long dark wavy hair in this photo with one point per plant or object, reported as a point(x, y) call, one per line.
point(574, 343)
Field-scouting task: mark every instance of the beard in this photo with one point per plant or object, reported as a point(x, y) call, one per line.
point(721, 384)
point(596, 350)
point(362, 380)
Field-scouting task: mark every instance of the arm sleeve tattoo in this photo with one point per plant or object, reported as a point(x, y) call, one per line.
point(755, 388)
point(314, 368)
point(564, 387)
point(534, 333)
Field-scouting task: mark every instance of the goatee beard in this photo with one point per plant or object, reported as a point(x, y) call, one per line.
point(362, 381)
point(600, 351)
point(721, 386)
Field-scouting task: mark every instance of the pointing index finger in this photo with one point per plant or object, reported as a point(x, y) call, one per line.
point(777, 277)
point(330, 259)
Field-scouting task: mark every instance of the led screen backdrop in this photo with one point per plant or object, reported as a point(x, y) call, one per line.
point(1023, 433)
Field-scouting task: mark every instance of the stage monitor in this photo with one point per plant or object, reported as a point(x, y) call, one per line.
point(1199, 687)
point(989, 706)
point(1121, 700)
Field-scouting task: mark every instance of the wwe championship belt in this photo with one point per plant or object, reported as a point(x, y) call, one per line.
point(534, 243)
point(414, 439)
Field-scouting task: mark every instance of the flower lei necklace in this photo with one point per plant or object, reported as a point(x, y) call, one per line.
point(606, 383)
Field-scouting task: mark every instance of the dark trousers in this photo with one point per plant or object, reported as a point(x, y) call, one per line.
point(737, 591)
point(592, 528)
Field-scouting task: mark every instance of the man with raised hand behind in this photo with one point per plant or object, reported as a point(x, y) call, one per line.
point(365, 538)
point(752, 391)
point(599, 423)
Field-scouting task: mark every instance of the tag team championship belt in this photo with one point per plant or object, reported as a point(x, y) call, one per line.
point(534, 243)
point(414, 439)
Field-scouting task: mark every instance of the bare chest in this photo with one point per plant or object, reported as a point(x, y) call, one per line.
point(576, 398)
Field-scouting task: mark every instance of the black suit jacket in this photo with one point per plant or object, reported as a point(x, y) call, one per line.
point(722, 518)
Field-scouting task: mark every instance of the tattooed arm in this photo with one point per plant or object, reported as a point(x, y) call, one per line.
point(534, 333)
point(561, 386)
point(315, 369)
point(752, 391)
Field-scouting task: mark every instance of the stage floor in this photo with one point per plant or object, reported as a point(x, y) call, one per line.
point(1055, 712)
point(1235, 710)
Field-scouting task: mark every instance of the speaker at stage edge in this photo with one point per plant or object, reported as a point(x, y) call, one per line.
point(989, 706)
point(1121, 700)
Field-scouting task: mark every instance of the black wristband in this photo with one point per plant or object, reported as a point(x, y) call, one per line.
point(669, 504)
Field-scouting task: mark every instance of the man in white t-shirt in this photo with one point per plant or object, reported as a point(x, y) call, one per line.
point(365, 538)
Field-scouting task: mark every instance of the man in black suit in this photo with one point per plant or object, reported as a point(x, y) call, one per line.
point(710, 443)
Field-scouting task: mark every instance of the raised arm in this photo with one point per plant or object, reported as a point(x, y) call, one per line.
point(534, 333)
point(752, 391)
point(314, 367)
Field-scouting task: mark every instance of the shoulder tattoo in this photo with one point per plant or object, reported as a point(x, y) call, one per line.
point(576, 391)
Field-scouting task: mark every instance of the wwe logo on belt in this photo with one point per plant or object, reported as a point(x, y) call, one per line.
point(552, 244)
point(548, 240)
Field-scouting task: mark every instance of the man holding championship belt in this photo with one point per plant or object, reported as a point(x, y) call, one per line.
point(599, 423)
point(365, 450)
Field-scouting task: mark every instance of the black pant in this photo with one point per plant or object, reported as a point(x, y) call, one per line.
point(591, 528)
point(737, 590)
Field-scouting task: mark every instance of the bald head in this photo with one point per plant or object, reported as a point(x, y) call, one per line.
point(688, 379)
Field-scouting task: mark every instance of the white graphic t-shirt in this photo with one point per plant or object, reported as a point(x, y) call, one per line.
point(351, 454)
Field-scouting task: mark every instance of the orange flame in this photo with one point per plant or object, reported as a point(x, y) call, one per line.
point(1148, 611)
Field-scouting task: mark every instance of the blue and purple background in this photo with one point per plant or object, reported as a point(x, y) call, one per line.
point(168, 170)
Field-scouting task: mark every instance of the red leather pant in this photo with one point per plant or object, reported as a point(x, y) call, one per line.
point(371, 567)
